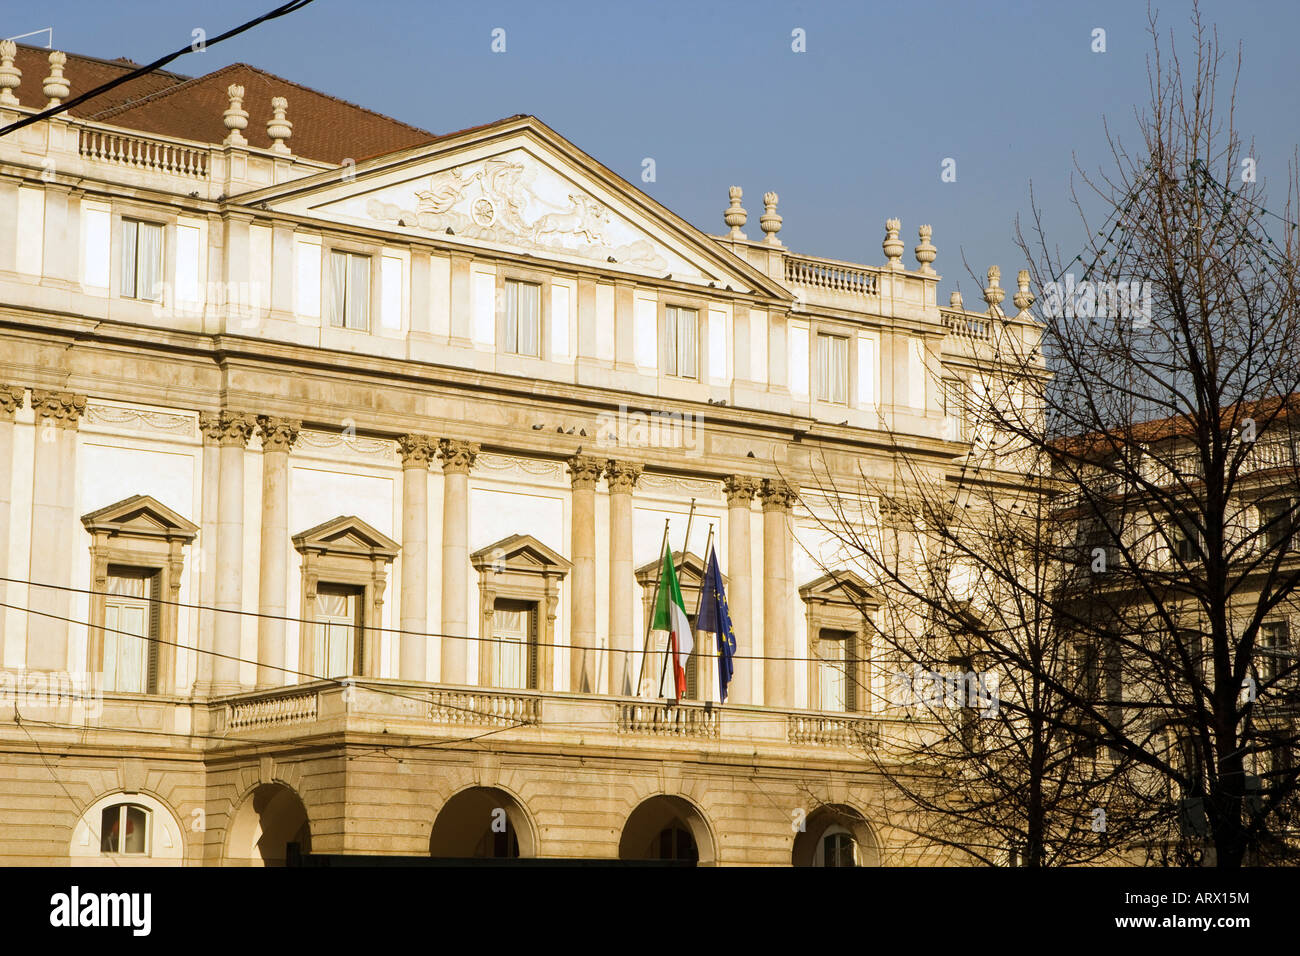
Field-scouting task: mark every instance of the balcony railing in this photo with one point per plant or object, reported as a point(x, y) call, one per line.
point(277, 710)
point(141, 152)
point(484, 708)
point(965, 326)
point(831, 275)
point(820, 730)
point(668, 720)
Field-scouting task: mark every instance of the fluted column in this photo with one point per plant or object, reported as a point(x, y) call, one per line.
point(54, 491)
point(621, 477)
point(278, 436)
point(412, 648)
point(11, 399)
point(235, 429)
point(457, 459)
point(585, 472)
point(740, 490)
point(778, 672)
point(210, 430)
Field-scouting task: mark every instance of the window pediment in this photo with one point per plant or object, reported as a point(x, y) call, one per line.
point(842, 588)
point(520, 552)
point(347, 536)
point(140, 516)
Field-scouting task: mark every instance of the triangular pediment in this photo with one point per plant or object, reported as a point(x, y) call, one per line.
point(840, 587)
point(690, 570)
point(518, 186)
point(519, 552)
point(347, 535)
point(141, 516)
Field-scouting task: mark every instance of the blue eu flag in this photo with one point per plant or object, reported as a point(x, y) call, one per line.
point(714, 618)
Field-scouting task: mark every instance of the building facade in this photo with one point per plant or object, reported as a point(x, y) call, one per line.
point(333, 490)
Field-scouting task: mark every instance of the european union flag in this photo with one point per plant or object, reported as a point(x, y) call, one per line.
point(714, 618)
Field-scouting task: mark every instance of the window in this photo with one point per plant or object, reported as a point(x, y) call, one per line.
point(523, 317)
point(1276, 523)
point(124, 828)
point(1186, 543)
point(338, 631)
point(675, 842)
point(131, 631)
point(142, 260)
point(1274, 649)
point(681, 340)
point(832, 369)
point(839, 654)
point(514, 631)
point(837, 848)
point(349, 291)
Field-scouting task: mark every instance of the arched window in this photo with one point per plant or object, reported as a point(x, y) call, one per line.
point(124, 828)
point(837, 847)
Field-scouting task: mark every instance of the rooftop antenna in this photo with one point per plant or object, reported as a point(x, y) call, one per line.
point(49, 44)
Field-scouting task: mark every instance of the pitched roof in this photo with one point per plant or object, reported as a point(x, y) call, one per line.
point(325, 127)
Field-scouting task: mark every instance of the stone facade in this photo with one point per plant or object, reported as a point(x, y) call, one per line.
point(348, 425)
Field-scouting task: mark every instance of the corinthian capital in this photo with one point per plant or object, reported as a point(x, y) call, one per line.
point(62, 409)
point(416, 451)
point(778, 495)
point(11, 399)
point(622, 476)
point(457, 456)
point(740, 489)
point(278, 434)
point(584, 471)
point(227, 428)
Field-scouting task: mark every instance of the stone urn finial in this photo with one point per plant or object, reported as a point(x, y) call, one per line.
point(954, 301)
point(735, 216)
point(770, 221)
point(235, 117)
point(56, 84)
point(278, 128)
point(1023, 298)
point(994, 294)
point(925, 251)
point(10, 75)
point(892, 245)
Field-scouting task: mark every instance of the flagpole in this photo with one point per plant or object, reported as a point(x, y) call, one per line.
point(671, 647)
point(699, 603)
point(645, 643)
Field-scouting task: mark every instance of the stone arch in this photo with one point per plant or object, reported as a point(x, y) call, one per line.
point(478, 822)
point(838, 817)
point(270, 818)
point(165, 841)
point(654, 831)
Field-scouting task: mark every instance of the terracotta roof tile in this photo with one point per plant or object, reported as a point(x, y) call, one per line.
point(85, 73)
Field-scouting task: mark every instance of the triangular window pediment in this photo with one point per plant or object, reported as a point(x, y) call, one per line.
point(519, 552)
point(347, 535)
point(141, 516)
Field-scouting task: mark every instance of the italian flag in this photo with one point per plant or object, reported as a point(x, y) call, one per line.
point(670, 616)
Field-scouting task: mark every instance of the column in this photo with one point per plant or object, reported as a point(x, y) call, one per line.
point(740, 491)
point(54, 489)
point(621, 477)
point(11, 399)
point(210, 429)
point(584, 472)
point(457, 459)
point(278, 436)
point(228, 624)
point(412, 645)
point(778, 671)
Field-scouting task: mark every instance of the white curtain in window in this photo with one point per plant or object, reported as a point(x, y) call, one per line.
point(338, 288)
point(359, 292)
point(512, 316)
point(528, 318)
point(839, 370)
point(832, 676)
point(511, 633)
point(335, 627)
point(129, 239)
point(149, 262)
point(823, 368)
point(688, 335)
point(670, 342)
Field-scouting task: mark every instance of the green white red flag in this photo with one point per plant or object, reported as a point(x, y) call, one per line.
point(670, 616)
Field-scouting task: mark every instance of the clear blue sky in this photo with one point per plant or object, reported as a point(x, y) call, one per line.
point(849, 133)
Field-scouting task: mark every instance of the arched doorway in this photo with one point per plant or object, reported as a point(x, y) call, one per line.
point(667, 828)
point(270, 819)
point(835, 835)
point(482, 823)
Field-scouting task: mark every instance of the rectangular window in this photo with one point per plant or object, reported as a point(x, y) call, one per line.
point(349, 291)
point(832, 369)
point(523, 317)
point(1276, 523)
point(338, 631)
point(681, 342)
point(1274, 651)
point(131, 631)
point(837, 678)
point(142, 260)
point(514, 628)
